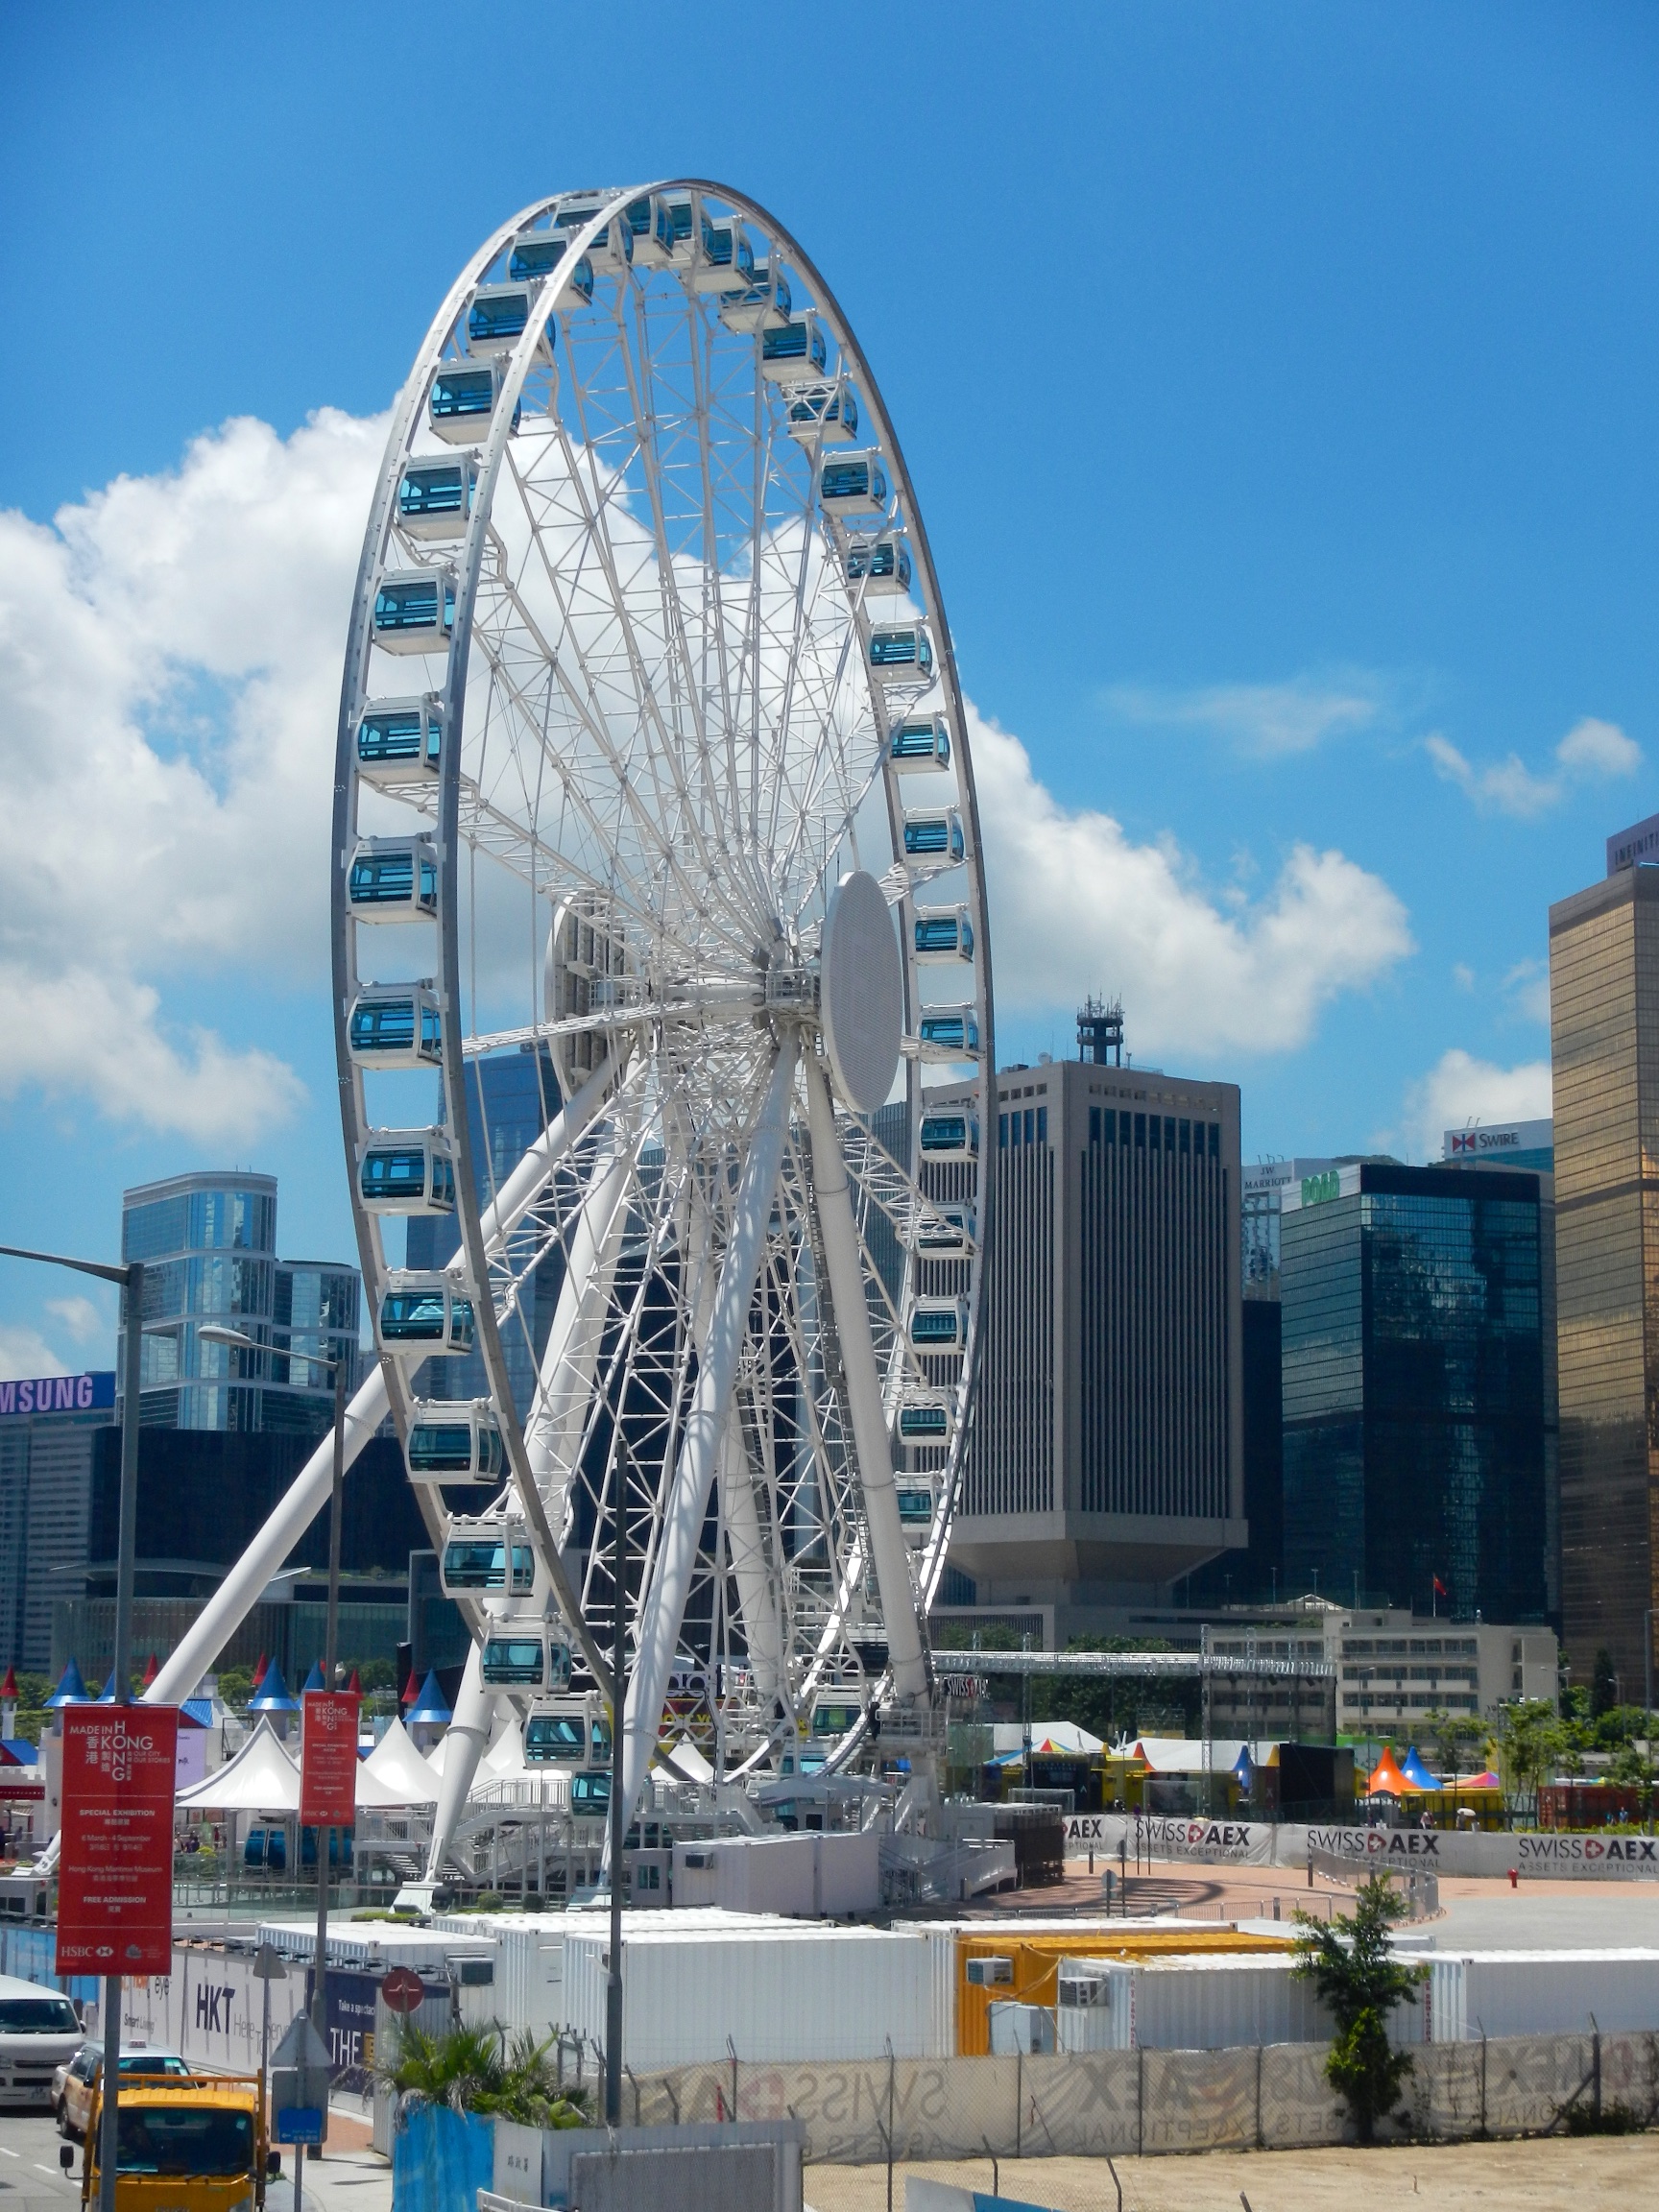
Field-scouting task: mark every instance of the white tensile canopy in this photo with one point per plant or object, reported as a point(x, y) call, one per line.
point(395, 1773)
point(261, 1778)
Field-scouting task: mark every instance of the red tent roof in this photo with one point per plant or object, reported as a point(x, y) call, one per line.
point(355, 1685)
point(411, 1690)
point(260, 1670)
point(152, 1671)
point(8, 1688)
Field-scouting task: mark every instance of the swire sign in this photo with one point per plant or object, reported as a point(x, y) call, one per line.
point(59, 1393)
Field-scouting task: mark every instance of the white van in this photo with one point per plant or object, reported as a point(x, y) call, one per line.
point(39, 2031)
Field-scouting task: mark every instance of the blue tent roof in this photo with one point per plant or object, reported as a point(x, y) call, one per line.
point(1244, 1766)
point(1415, 1772)
point(108, 1694)
point(198, 1712)
point(17, 1751)
point(314, 1680)
point(70, 1690)
point(273, 1693)
point(429, 1706)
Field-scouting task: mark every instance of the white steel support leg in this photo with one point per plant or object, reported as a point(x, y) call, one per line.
point(553, 1433)
point(664, 1608)
point(240, 1591)
point(465, 1741)
point(888, 1551)
point(758, 1596)
point(757, 1592)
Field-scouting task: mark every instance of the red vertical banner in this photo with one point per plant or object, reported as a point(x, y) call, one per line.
point(329, 1758)
point(116, 1876)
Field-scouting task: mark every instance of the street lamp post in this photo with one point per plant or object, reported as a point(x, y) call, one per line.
point(213, 1334)
point(130, 1279)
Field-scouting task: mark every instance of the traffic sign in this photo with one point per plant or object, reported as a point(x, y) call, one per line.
point(300, 2123)
point(403, 1989)
point(299, 2081)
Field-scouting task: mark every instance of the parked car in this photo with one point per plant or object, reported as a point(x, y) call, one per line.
point(74, 2083)
point(40, 2032)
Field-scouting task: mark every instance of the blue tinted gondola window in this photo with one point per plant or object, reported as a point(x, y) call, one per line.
point(931, 835)
point(915, 1509)
point(502, 316)
point(414, 1316)
point(934, 1325)
point(555, 1735)
point(383, 1025)
point(936, 933)
point(441, 490)
point(590, 1793)
point(535, 257)
point(462, 391)
point(396, 736)
point(440, 1447)
point(395, 1174)
point(916, 1421)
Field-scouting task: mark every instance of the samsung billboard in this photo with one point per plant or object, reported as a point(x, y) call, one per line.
point(39, 1394)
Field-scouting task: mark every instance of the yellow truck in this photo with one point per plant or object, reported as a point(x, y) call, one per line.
point(196, 2144)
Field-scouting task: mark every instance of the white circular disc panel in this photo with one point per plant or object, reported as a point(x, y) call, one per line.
point(862, 987)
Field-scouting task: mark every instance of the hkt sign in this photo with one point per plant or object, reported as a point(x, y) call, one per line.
point(115, 1878)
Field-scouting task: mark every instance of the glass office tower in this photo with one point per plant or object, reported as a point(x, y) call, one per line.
point(1413, 1390)
point(1604, 1038)
point(511, 1099)
point(209, 1244)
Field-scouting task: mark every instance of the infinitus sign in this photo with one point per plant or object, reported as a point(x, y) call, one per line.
point(115, 1881)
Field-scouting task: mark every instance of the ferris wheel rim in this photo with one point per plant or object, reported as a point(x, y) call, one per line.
point(492, 457)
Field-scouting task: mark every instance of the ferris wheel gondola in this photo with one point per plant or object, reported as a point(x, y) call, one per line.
point(643, 690)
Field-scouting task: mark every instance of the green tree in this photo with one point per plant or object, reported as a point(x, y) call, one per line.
point(235, 1685)
point(1603, 1685)
point(476, 2070)
point(1350, 1964)
point(1527, 1733)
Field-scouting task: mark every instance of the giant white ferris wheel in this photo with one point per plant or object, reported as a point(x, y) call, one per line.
point(652, 767)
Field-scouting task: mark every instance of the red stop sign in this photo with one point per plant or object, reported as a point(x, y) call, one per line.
point(403, 1989)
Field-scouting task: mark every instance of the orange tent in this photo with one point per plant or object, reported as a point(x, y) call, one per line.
point(1386, 1777)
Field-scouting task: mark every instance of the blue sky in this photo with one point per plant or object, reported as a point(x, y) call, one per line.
point(1278, 385)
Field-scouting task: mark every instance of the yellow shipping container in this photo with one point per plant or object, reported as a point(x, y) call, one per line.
point(1028, 1964)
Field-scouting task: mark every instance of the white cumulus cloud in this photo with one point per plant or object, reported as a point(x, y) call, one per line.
point(169, 671)
point(1460, 1089)
point(1591, 751)
point(1075, 907)
point(24, 1352)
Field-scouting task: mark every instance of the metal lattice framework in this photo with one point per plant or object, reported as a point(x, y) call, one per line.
point(649, 693)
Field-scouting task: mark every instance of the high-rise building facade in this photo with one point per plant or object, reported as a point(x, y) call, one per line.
point(48, 1427)
point(209, 1244)
point(511, 1099)
point(1604, 1047)
point(1107, 1451)
point(1413, 1389)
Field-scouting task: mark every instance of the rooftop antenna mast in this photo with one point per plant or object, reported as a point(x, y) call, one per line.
point(1100, 1032)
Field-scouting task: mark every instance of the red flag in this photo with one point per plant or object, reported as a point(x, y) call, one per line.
point(1440, 1590)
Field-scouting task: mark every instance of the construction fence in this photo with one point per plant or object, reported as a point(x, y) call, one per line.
point(1140, 2102)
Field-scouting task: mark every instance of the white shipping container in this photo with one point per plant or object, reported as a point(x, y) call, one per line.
point(767, 1874)
point(849, 1871)
point(784, 1992)
point(1199, 2004)
point(1541, 1993)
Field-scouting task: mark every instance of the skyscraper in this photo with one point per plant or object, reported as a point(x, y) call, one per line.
point(1604, 1044)
point(209, 1244)
point(1107, 1452)
point(511, 1098)
point(1413, 1389)
point(48, 1430)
